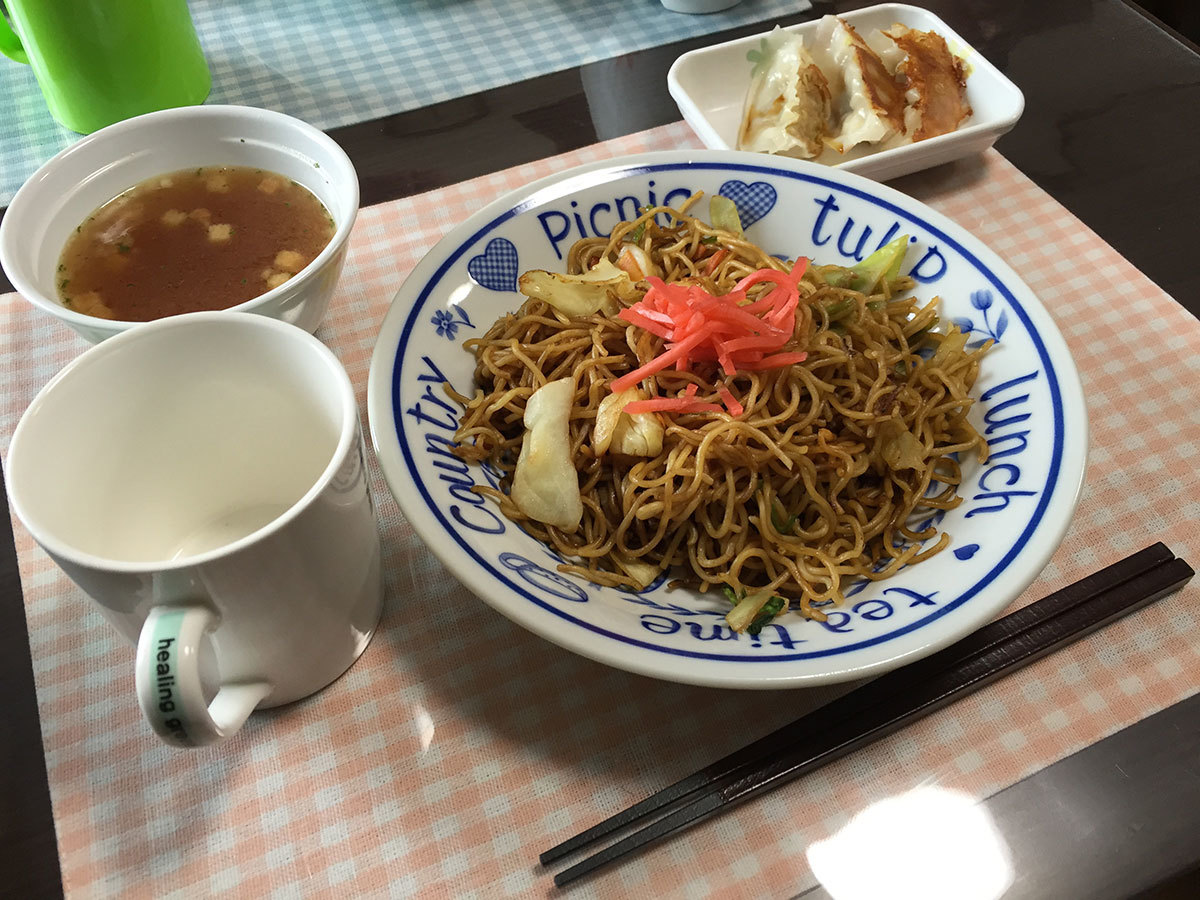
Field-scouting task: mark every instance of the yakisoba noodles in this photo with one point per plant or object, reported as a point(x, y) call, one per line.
point(813, 482)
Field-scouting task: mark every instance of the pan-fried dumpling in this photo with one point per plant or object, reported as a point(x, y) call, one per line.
point(870, 101)
point(788, 105)
point(935, 85)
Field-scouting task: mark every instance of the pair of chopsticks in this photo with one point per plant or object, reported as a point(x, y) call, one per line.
point(885, 705)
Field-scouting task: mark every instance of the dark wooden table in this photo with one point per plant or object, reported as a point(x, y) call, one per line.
point(1111, 129)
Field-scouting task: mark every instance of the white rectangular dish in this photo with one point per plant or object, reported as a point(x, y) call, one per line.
point(709, 85)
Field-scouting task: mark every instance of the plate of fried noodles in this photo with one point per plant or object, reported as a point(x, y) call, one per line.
point(727, 420)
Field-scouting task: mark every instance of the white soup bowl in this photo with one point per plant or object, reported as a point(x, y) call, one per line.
point(72, 185)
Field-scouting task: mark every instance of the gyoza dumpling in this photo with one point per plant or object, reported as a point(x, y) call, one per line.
point(870, 104)
point(933, 78)
point(788, 105)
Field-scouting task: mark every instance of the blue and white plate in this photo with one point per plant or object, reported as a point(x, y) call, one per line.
point(1016, 506)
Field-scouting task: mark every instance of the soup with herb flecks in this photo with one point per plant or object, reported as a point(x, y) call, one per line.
point(207, 238)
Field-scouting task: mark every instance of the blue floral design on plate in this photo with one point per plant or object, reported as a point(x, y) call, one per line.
point(446, 323)
point(982, 301)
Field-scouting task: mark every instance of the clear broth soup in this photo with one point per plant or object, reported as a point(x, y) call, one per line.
point(207, 238)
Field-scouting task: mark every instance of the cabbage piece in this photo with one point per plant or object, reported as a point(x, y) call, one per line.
point(747, 609)
point(545, 485)
point(639, 570)
point(899, 447)
point(881, 266)
point(580, 295)
point(723, 213)
point(637, 434)
point(953, 345)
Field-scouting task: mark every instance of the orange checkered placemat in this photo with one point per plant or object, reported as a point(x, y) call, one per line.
point(460, 746)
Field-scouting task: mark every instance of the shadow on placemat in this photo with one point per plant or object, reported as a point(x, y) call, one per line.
point(948, 178)
point(557, 708)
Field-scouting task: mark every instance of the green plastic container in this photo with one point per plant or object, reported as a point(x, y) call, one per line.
point(100, 61)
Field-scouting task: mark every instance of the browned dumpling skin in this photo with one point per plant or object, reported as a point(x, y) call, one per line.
point(935, 83)
point(887, 96)
point(869, 101)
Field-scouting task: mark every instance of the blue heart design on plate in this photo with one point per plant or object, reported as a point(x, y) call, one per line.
point(753, 201)
point(496, 267)
point(967, 551)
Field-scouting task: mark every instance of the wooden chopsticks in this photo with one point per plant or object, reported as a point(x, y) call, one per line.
point(885, 705)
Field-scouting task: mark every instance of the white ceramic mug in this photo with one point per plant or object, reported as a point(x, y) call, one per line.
point(201, 478)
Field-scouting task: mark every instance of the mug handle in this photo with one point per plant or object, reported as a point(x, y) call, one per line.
point(10, 44)
point(169, 687)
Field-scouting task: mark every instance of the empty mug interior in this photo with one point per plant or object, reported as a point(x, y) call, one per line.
point(179, 438)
